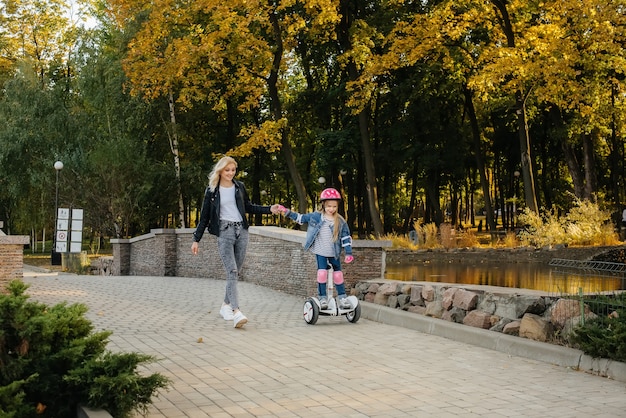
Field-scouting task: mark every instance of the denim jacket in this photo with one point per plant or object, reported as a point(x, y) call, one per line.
point(314, 220)
point(210, 213)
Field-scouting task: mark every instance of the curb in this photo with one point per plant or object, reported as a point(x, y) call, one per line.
point(86, 412)
point(509, 344)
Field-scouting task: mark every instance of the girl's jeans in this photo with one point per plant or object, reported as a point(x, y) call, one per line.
point(231, 244)
point(322, 264)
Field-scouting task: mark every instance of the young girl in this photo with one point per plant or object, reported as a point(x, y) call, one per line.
point(327, 234)
point(224, 214)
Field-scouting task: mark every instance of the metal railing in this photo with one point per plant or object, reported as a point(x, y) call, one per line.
point(598, 286)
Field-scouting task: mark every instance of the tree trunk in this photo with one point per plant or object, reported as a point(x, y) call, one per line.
point(277, 111)
point(574, 168)
point(174, 148)
point(520, 103)
point(591, 180)
point(480, 160)
point(530, 195)
point(363, 120)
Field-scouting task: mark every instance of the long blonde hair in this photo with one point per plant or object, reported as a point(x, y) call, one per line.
point(336, 221)
point(216, 172)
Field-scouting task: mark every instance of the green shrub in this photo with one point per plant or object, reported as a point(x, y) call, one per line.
point(602, 337)
point(51, 361)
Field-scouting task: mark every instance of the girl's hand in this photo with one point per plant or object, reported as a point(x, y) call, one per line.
point(349, 259)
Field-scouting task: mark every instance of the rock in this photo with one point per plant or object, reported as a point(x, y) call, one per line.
point(515, 306)
point(392, 301)
point(535, 328)
point(565, 309)
point(488, 304)
point(417, 309)
point(434, 309)
point(465, 299)
point(478, 319)
point(512, 328)
point(388, 289)
point(454, 315)
point(380, 298)
point(448, 297)
point(416, 295)
point(403, 301)
point(373, 288)
point(428, 293)
point(500, 324)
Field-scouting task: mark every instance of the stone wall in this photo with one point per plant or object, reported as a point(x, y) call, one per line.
point(11, 258)
point(275, 258)
point(526, 313)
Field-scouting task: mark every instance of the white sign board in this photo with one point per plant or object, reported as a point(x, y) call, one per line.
point(69, 231)
point(64, 213)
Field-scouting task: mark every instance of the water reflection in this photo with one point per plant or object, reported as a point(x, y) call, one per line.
point(519, 275)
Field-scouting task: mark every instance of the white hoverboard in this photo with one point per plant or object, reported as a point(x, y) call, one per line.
point(313, 307)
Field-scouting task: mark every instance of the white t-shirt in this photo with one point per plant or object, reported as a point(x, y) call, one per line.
point(228, 205)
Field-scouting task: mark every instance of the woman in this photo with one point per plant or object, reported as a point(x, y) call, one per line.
point(224, 214)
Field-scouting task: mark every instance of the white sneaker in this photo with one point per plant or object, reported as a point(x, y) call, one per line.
point(227, 312)
point(239, 320)
point(344, 303)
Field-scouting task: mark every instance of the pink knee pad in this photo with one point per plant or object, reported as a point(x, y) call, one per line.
point(338, 277)
point(322, 276)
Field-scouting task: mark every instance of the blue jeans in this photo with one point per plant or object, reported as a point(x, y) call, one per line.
point(232, 244)
point(322, 264)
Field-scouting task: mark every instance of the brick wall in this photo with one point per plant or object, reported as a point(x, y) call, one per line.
point(275, 258)
point(11, 258)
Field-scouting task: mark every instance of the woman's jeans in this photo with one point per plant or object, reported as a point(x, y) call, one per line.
point(231, 244)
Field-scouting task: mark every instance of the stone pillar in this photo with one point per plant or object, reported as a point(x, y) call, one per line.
point(11, 258)
point(121, 257)
point(165, 247)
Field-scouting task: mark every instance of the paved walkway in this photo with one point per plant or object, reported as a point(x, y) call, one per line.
point(279, 366)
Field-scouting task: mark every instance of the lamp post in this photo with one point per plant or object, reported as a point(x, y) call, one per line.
point(55, 258)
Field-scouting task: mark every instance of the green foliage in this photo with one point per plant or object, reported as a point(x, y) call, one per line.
point(603, 337)
point(52, 361)
point(584, 224)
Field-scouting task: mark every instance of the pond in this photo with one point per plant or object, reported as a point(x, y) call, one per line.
point(534, 276)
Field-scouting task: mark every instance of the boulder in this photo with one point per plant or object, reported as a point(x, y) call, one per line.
point(535, 328)
point(478, 319)
point(465, 299)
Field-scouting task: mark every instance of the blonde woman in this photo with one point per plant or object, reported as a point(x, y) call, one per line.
point(223, 213)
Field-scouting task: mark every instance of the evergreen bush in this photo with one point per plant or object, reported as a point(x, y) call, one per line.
point(51, 361)
point(602, 337)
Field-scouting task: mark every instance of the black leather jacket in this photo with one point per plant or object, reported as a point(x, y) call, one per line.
point(210, 213)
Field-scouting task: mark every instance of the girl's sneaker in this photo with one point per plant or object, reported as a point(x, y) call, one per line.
point(344, 303)
point(239, 320)
point(227, 312)
point(323, 302)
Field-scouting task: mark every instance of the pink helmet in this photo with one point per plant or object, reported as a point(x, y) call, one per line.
point(330, 194)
